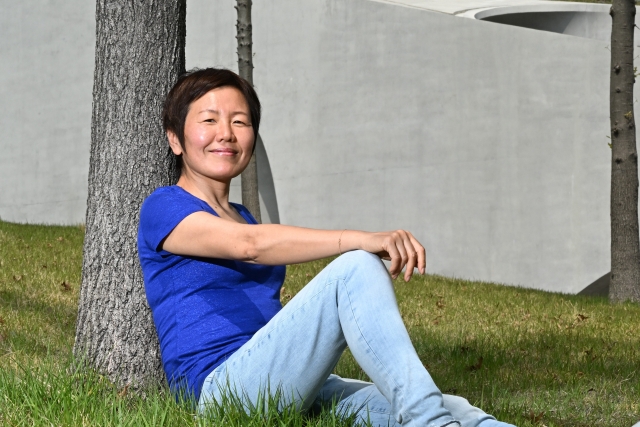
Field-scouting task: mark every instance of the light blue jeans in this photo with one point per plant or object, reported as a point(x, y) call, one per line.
point(351, 302)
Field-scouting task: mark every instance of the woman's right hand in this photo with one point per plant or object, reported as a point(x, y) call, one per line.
point(399, 247)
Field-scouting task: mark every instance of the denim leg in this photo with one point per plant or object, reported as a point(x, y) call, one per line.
point(350, 396)
point(351, 301)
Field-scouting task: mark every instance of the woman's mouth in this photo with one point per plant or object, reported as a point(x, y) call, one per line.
point(225, 152)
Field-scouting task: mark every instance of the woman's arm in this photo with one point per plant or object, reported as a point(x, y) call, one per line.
point(205, 235)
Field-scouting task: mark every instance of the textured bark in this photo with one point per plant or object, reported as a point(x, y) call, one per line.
point(625, 240)
point(249, 178)
point(139, 55)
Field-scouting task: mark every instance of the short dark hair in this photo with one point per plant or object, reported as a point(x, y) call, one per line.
point(193, 85)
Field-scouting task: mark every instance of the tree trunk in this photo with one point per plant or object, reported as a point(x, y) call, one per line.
point(139, 55)
point(249, 178)
point(625, 240)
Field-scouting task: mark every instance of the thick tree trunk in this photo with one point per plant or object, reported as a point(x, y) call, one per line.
point(625, 240)
point(139, 55)
point(249, 178)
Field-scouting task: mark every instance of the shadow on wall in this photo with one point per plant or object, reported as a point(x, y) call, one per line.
point(266, 187)
point(599, 288)
point(590, 25)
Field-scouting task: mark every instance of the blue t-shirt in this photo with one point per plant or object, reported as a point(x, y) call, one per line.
point(204, 309)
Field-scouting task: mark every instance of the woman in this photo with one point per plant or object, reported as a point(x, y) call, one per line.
point(213, 276)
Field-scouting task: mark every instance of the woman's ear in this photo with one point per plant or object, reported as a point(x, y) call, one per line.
point(174, 143)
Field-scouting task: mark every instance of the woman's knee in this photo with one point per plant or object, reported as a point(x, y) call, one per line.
point(361, 259)
point(362, 267)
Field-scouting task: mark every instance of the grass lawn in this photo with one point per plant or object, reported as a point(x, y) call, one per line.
point(531, 358)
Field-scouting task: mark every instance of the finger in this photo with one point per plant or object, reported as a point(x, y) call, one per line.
point(422, 255)
point(413, 259)
point(395, 267)
point(408, 253)
point(402, 250)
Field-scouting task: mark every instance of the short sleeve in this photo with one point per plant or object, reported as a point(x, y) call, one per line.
point(162, 211)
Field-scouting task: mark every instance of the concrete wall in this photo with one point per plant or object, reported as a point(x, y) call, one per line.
point(46, 78)
point(488, 141)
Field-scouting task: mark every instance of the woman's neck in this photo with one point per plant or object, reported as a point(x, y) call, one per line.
point(215, 193)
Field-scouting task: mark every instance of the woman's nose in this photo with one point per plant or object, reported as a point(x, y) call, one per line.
point(224, 131)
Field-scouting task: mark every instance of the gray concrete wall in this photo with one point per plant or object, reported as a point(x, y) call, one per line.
point(488, 141)
point(46, 78)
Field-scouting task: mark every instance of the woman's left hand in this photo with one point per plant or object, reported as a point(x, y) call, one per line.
point(399, 247)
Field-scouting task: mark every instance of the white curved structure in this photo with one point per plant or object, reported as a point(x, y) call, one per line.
point(586, 20)
point(489, 141)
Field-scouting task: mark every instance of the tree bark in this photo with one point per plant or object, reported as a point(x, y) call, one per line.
point(625, 240)
point(249, 177)
point(139, 55)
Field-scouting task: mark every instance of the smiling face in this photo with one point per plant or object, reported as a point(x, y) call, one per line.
point(218, 136)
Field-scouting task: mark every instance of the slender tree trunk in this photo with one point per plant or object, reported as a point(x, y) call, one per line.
point(249, 178)
point(625, 240)
point(139, 55)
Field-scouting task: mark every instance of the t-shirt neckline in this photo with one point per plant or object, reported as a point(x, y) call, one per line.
point(236, 206)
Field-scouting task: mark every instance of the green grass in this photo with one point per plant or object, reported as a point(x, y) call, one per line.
point(531, 358)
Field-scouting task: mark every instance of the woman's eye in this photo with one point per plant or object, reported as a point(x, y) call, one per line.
point(210, 120)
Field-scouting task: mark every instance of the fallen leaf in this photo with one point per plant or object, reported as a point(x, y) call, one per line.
point(440, 304)
point(534, 417)
point(60, 239)
point(65, 286)
point(49, 245)
point(582, 317)
point(17, 277)
point(476, 365)
point(123, 392)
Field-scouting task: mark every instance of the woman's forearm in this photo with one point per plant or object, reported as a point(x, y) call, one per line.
point(280, 244)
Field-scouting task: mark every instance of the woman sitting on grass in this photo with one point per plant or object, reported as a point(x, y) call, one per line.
point(213, 278)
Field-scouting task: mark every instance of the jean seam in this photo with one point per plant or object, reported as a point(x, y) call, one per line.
point(369, 345)
point(450, 423)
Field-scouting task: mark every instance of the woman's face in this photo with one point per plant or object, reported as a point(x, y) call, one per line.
point(218, 137)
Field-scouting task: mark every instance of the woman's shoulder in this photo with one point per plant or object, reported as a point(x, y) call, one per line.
point(170, 197)
point(167, 191)
point(169, 194)
point(163, 210)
